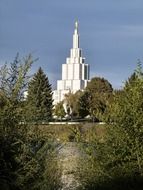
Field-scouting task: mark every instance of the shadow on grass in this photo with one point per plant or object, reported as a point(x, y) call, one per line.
point(120, 183)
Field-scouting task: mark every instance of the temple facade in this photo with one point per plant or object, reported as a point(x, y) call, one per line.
point(75, 72)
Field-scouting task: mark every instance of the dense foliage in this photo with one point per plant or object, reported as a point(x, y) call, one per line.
point(26, 153)
point(116, 161)
point(59, 110)
point(95, 98)
point(39, 99)
point(71, 102)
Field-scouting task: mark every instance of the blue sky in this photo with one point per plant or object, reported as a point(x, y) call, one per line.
point(111, 34)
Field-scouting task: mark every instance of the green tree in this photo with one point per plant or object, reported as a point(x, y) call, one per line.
point(59, 110)
point(13, 79)
point(39, 99)
point(124, 144)
point(95, 98)
point(99, 85)
point(84, 104)
point(71, 101)
point(117, 159)
point(23, 148)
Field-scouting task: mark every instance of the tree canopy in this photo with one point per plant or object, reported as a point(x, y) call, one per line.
point(39, 99)
point(95, 98)
point(99, 85)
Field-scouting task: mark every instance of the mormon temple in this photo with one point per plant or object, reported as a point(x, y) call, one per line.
point(75, 73)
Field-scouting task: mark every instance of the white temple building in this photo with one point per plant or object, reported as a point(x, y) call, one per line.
point(75, 73)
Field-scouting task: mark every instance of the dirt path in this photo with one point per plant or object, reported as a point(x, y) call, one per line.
point(68, 156)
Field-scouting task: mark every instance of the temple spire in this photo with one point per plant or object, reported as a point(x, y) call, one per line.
point(75, 72)
point(76, 36)
point(76, 25)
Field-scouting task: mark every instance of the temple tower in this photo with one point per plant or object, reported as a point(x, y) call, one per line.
point(75, 72)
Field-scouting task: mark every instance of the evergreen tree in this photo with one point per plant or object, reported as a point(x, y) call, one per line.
point(39, 100)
